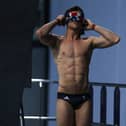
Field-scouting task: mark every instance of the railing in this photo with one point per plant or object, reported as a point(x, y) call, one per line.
point(103, 103)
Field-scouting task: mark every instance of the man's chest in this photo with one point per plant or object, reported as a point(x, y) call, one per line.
point(74, 49)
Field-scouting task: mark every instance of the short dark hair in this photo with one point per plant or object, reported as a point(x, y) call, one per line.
point(76, 8)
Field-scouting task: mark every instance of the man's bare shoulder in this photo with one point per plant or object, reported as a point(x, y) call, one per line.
point(61, 37)
point(56, 40)
point(87, 38)
point(87, 41)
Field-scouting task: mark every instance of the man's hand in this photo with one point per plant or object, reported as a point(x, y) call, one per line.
point(61, 19)
point(89, 25)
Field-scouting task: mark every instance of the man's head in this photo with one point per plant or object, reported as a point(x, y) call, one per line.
point(75, 14)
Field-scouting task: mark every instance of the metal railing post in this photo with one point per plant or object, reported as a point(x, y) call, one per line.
point(117, 106)
point(92, 102)
point(103, 105)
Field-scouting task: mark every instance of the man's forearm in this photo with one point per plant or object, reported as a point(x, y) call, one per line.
point(107, 34)
point(45, 29)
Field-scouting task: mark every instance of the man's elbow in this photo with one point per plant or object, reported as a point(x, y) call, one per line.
point(117, 40)
point(40, 34)
point(37, 33)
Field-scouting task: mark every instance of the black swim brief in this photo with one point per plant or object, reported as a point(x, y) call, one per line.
point(75, 100)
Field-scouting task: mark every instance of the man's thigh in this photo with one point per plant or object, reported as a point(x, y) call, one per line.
point(83, 114)
point(64, 113)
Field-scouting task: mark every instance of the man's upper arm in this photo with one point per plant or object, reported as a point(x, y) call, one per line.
point(49, 39)
point(100, 42)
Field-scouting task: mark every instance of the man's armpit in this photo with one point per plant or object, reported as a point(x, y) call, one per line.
point(49, 40)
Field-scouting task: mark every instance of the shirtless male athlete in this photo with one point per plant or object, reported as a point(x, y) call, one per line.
point(72, 55)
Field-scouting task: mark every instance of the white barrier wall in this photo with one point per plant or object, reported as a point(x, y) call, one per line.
point(107, 65)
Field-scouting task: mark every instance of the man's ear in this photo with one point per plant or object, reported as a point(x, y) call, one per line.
point(85, 23)
point(64, 21)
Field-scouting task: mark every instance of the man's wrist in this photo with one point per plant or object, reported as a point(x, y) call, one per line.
point(57, 21)
point(93, 26)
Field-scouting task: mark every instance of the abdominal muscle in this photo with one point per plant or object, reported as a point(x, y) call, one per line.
point(73, 75)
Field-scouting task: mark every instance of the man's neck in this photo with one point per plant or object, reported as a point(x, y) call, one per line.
point(72, 35)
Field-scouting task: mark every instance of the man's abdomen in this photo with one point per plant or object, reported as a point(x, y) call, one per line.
point(73, 83)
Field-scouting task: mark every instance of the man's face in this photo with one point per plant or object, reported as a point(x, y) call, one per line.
point(74, 19)
point(74, 16)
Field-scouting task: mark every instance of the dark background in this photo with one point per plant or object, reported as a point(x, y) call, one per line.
point(17, 20)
